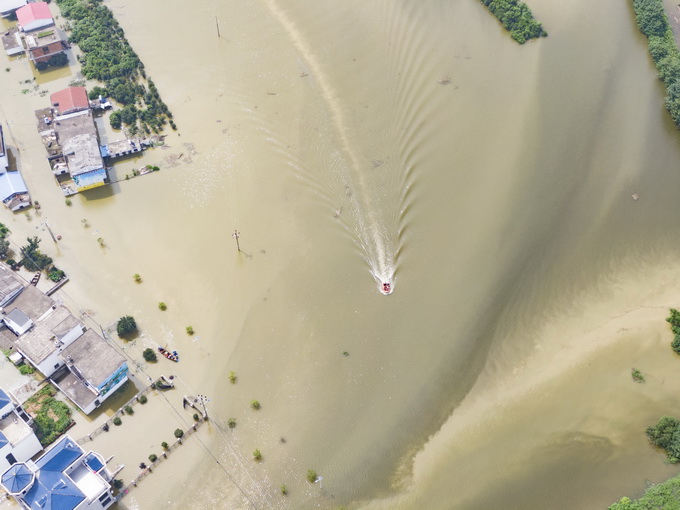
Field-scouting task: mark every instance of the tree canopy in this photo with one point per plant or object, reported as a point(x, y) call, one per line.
point(516, 18)
point(126, 327)
point(32, 258)
point(664, 496)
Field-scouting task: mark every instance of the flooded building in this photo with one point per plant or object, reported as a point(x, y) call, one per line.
point(41, 46)
point(70, 100)
point(12, 42)
point(13, 190)
point(84, 366)
point(34, 16)
point(9, 7)
point(77, 136)
point(65, 477)
point(18, 442)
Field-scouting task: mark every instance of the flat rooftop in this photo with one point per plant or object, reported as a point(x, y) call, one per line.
point(94, 358)
point(76, 390)
point(41, 340)
point(77, 135)
point(42, 38)
point(14, 428)
point(10, 284)
point(32, 302)
point(11, 41)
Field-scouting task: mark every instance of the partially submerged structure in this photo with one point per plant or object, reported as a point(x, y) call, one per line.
point(84, 366)
point(13, 190)
point(9, 7)
point(65, 477)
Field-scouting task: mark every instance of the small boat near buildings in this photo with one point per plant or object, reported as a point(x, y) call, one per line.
point(172, 356)
point(164, 383)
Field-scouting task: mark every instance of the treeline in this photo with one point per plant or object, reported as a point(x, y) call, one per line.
point(109, 58)
point(652, 21)
point(517, 19)
point(665, 495)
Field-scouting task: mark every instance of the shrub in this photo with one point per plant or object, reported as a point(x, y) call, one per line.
point(284, 490)
point(162, 306)
point(153, 457)
point(118, 483)
point(164, 445)
point(231, 422)
point(637, 375)
point(55, 274)
point(179, 433)
point(126, 326)
point(129, 410)
point(190, 330)
point(150, 355)
point(311, 476)
point(257, 455)
point(117, 421)
point(232, 377)
point(142, 399)
point(666, 434)
point(68, 202)
point(255, 404)
point(196, 417)
point(26, 369)
point(137, 278)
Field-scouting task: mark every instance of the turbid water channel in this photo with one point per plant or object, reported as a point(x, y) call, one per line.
point(353, 142)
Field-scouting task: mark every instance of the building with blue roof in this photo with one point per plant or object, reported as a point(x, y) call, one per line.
point(18, 442)
point(13, 190)
point(63, 478)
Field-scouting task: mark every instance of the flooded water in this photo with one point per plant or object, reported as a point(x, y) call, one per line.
point(409, 142)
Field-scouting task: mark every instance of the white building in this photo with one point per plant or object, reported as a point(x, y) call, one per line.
point(18, 442)
point(65, 478)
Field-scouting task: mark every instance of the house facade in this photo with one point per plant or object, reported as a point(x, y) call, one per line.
point(65, 477)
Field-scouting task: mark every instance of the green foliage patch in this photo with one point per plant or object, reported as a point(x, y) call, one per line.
point(52, 417)
point(516, 18)
point(108, 57)
point(664, 496)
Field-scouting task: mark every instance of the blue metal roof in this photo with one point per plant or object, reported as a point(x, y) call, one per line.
point(3, 440)
point(60, 456)
point(4, 399)
point(17, 478)
point(93, 462)
point(11, 184)
point(53, 491)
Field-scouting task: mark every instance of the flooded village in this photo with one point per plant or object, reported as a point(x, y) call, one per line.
point(66, 385)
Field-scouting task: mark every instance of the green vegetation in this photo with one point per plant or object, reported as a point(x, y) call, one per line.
point(674, 320)
point(196, 417)
point(345, 353)
point(26, 369)
point(164, 445)
point(129, 410)
point(257, 455)
point(150, 355)
point(126, 326)
point(637, 375)
point(231, 422)
point(666, 435)
point(284, 490)
point(142, 399)
point(311, 476)
point(52, 417)
point(162, 306)
point(153, 457)
point(55, 274)
point(232, 377)
point(68, 202)
point(137, 278)
point(4, 242)
point(190, 330)
point(255, 404)
point(58, 60)
point(653, 23)
point(108, 58)
point(32, 258)
point(118, 483)
point(664, 496)
point(179, 433)
point(516, 18)
point(117, 421)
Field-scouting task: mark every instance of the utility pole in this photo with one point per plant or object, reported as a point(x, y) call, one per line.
point(236, 235)
point(218, 28)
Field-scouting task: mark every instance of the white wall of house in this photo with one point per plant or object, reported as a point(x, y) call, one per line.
point(18, 330)
point(37, 24)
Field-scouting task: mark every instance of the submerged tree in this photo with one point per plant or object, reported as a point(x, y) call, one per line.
point(126, 327)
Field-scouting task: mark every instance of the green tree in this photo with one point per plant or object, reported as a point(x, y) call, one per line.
point(150, 355)
point(32, 258)
point(126, 327)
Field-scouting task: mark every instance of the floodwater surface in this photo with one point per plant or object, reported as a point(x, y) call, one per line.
point(413, 142)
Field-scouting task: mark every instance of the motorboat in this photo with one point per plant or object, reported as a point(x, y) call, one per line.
point(386, 288)
point(172, 356)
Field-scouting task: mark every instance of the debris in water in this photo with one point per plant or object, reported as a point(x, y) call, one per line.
point(377, 162)
point(635, 196)
point(444, 81)
point(337, 213)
